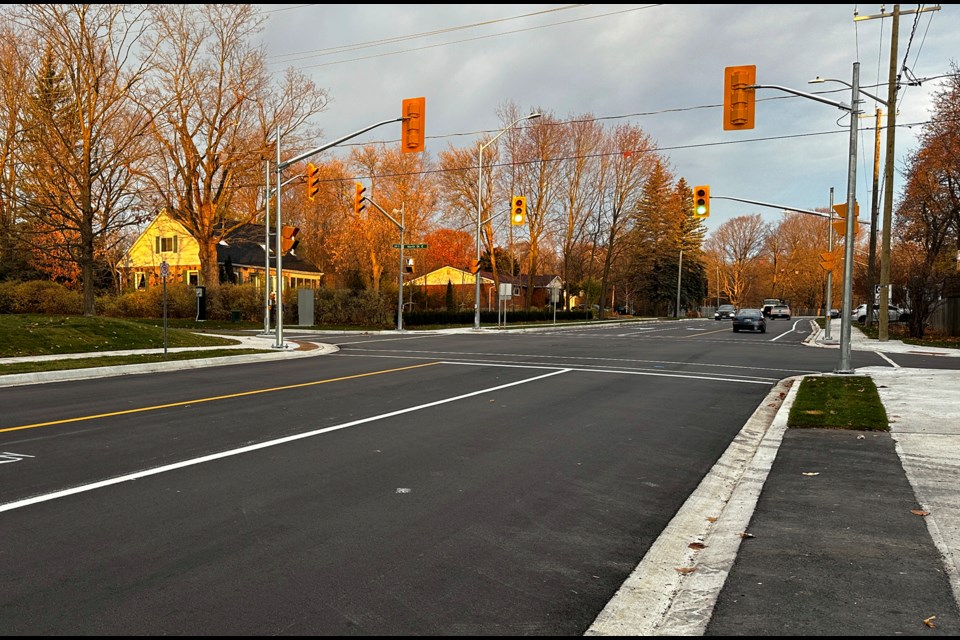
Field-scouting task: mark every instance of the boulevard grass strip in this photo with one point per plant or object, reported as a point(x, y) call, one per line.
point(838, 402)
point(38, 334)
point(110, 361)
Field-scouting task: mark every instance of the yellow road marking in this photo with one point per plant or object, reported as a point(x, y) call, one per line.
point(213, 398)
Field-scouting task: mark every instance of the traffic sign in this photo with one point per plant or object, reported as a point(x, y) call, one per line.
point(410, 246)
point(164, 269)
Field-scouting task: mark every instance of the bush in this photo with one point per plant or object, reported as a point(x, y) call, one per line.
point(343, 307)
point(39, 296)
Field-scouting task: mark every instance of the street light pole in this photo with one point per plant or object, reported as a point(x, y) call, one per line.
point(846, 308)
point(476, 276)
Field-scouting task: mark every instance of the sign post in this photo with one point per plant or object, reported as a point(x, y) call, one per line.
point(164, 274)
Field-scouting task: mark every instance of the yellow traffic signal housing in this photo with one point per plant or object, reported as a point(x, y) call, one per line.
point(701, 201)
point(358, 198)
point(840, 225)
point(288, 239)
point(518, 210)
point(414, 114)
point(313, 180)
point(739, 97)
point(474, 267)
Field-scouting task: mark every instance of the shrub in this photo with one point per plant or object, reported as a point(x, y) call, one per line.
point(39, 296)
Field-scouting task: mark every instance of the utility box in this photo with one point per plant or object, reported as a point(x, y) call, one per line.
point(201, 303)
point(305, 307)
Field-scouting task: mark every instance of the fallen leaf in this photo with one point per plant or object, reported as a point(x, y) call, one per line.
point(697, 545)
point(919, 512)
point(686, 569)
point(929, 622)
point(712, 519)
point(744, 534)
point(811, 473)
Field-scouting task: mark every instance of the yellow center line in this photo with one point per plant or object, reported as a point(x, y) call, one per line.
point(213, 398)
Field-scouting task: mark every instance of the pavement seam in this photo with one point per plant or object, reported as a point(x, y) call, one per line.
point(657, 598)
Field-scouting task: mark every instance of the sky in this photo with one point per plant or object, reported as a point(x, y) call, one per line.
point(659, 67)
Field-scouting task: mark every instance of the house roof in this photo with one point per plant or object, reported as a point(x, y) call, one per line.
point(244, 246)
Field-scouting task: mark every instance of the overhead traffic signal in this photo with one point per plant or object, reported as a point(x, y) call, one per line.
point(358, 198)
point(518, 210)
point(288, 239)
point(739, 97)
point(701, 201)
point(313, 180)
point(413, 120)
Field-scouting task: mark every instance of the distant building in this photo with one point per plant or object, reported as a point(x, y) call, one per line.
point(434, 286)
point(240, 258)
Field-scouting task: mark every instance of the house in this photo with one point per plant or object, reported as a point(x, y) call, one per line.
point(240, 256)
point(434, 286)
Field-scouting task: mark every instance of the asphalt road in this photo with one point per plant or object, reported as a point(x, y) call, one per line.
point(410, 484)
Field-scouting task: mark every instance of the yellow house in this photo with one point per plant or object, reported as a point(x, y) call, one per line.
point(464, 287)
point(240, 256)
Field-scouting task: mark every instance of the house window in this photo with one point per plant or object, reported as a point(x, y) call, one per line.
point(166, 244)
point(140, 280)
point(193, 277)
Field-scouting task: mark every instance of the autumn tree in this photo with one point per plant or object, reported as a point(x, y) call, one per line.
point(928, 217)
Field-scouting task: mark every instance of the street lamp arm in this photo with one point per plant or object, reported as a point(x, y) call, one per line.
point(803, 94)
point(818, 80)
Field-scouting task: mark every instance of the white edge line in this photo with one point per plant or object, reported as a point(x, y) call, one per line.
point(10, 506)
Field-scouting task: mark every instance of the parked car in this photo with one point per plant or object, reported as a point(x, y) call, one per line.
point(834, 313)
point(768, 304)
point(749, 320)
point(725, 312)
point(894, 313)
point(779, 311)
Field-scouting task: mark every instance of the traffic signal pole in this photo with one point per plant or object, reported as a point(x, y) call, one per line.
point(280, 166)
point(738, 114)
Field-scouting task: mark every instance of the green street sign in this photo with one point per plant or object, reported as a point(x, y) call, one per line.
point(410, 246)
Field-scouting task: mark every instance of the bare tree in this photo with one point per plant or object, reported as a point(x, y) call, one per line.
point(214, 109)
point(740, 239)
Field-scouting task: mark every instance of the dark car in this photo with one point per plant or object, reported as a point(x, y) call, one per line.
point(725, 312)
point(749, 320)
point(834, 313)
point(779, 311)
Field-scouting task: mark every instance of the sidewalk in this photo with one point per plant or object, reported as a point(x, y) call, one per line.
point(849, 533)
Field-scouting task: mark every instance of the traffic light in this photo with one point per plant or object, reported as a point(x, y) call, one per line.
point(358, 198)
point(409, 267)
point(739, 97)
point(474, 267)
point(413, 120)
point(701, 201)
point(288, 239)
point(518, 210)
point(313, 180)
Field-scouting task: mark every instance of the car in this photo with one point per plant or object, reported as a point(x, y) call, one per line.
point(768, 304)
point(779, 311)
point(894, 313)
point(725, 312)
point(834, 313)
point(749, 320)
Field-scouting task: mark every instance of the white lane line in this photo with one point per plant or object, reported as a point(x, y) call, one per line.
point(10, 506)
point(884, 356)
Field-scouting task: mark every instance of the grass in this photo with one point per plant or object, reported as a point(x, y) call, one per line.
point(838, 402)
point(35, 335)
point(108, 361)
point(47, 335)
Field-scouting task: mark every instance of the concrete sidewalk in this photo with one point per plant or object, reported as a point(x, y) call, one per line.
point(816, 531)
